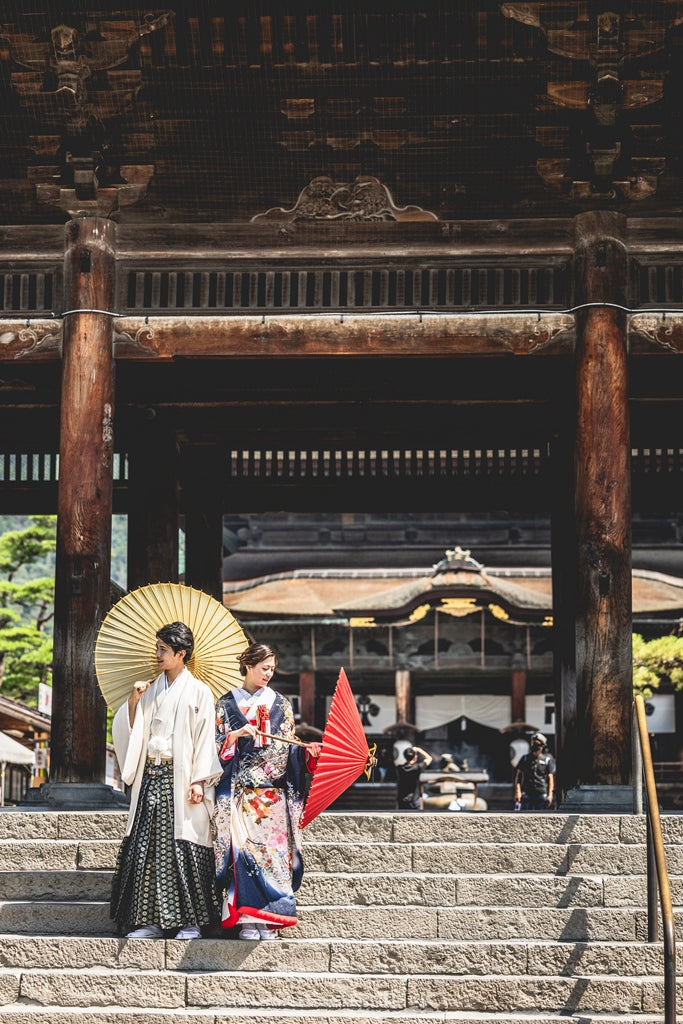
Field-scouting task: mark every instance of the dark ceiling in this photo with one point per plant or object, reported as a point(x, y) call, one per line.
point(217, 111)
point(194, 120)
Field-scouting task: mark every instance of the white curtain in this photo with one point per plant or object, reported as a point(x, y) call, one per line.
point(487, 709)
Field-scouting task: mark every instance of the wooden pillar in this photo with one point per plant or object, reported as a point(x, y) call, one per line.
point(602, 505)
point(152, 504)
point(84, 502)
point(564, 581)
point(307, 696)
point(403, 702)
point(203, 504)
point(518, 695)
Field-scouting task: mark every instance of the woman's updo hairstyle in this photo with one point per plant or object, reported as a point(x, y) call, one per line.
point(254, 654)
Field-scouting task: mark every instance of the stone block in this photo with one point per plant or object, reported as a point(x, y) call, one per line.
point(98, 855)
point(29, 825)
point(653, 996)
point(92, 824)
point(148, 989)
point(572, 924)
point(57, 885)
point(506, 828)
point(516, 996)
point(10, 986)
point(81, 952)
point(372, 858)
point(582, 958)
point(48, 855)
point(378, 890)
point(55, 918)
point(529, 891)
point(437, 957)
point(338, 826)
point(367, 922)
point(334, 991)
point(529, 858)
point(625, 891)
point(21, 1014)
point(234, 955)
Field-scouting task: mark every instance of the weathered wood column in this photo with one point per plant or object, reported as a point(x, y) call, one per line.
point(602, 506)
point(153, 503)
point(307, 696)
point(563, 555)
point(518, 689)
point(203, 502)
point(84, 502)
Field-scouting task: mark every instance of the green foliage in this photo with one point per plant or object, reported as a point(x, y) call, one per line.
point(657, 660)
point(27, 566)
point(26, 605)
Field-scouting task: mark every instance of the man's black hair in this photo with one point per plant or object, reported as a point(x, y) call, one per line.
point(178, 637)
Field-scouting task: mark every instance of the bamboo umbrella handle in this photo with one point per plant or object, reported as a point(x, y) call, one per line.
point(282, 739)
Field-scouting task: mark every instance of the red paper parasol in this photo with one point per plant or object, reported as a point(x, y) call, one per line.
point(344, 753)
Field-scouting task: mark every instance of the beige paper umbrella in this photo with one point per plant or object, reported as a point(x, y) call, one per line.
point(124, 651)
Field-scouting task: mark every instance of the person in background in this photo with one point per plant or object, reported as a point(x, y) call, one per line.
point(164, 740)
point(259, 801)
point(535, 777)
point(448, 764)
point(408, 795)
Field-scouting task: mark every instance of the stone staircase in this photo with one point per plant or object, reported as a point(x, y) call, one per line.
point(404, 918)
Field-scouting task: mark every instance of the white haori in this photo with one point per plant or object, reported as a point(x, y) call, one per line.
point(182, 719)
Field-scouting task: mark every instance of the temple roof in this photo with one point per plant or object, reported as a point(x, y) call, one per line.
point(392, 594)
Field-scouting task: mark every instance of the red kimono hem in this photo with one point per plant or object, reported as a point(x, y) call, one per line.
point(276, 920)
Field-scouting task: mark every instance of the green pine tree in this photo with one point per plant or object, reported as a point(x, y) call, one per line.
point(26, 607)
point(655, 661)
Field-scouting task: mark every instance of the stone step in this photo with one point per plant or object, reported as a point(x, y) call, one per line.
point(378, 858)
point(21, 1014)
point(56, 885)
point(420, 918)
point(369, 956)
point(332, 826)
point(466, 923)
point(28, 917)
point(409, 889)
point(314, 990)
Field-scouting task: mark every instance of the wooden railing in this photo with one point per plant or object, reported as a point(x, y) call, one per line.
point(657, 875)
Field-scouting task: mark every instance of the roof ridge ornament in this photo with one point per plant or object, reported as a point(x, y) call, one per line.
point(365, 199)
point(457, 558)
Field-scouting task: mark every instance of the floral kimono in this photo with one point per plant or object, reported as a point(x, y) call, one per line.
point(259, 803)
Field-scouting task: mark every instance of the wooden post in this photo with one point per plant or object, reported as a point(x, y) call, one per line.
point(153, 504)
point(307, 696)
point(518, 701)
point(84, 502)
point(602, 504)
point(564, 582)
point(403, 709)
point(203, 504)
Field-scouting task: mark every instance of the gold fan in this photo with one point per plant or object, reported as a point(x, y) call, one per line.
point(124, 651)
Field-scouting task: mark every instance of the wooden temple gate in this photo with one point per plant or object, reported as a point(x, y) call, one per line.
point(536, 311)
point(192, 386)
